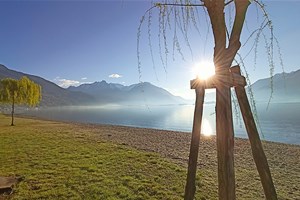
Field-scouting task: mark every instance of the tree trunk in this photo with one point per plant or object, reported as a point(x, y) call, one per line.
point(223, 58)
point(190, 187)
point(12, 111)
point(225, 144)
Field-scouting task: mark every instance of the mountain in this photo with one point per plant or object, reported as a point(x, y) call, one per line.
point(141, 93)
point(52, 94)
point(285, 88)
point(97, 93)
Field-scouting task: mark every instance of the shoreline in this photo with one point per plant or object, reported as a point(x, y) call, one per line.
point(283, 159)
point(129, 126)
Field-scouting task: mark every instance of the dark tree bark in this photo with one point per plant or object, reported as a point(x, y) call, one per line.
point(223, 58)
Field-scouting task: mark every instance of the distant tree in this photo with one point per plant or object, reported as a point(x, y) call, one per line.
point(20, 92)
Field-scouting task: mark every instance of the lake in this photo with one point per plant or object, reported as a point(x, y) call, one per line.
point(279, 123)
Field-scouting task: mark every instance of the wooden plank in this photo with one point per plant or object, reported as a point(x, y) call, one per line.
point(7, 182)
point(256, 146)
point(214, 81)
point(225, 144)
point(190, 186)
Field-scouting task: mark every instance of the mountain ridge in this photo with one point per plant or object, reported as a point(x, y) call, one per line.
point(144, 92)
point(52, 94)
point(285, 87)
point(97, 92)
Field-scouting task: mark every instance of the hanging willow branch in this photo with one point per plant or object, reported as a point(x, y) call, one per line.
point(180, 16)
point(187, 4)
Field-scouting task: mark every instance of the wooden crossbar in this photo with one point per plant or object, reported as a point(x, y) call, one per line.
point(231, 79)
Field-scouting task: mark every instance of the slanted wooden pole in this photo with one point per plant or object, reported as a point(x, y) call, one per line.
point(256, 146)
point(225, 142)
point(190, 186)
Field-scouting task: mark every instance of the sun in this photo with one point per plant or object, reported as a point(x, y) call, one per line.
point(203, 70)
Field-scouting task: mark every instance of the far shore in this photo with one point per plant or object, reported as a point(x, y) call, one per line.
point(283, 158)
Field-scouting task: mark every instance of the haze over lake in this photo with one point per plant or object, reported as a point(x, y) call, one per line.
point(279, 122)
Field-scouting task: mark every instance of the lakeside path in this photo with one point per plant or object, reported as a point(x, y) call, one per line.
point(284, 159)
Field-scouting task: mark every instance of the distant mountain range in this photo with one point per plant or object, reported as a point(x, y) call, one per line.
point(52, 94)
point(286, 88)
point(141, 93)
point(97, 93)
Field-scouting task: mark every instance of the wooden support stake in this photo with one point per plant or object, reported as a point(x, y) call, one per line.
point(190, 186)
point(225, 143)
point(256, 146)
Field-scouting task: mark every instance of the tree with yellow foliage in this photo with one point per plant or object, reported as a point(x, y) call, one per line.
point(20, 92)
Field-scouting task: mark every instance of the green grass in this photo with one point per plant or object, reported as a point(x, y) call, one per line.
point(58, 164)
point(66, 161)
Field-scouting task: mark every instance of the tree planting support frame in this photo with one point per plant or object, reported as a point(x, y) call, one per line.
point(223, 81)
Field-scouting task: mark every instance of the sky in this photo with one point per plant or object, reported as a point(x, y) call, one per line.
point(74, 42)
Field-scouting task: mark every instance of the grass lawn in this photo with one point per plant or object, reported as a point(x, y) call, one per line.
point(58, 164)
point(68, 161)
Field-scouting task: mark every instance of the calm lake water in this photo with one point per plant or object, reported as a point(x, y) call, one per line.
point(279, 123)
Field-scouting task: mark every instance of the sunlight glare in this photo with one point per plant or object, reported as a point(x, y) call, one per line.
point(203, 70)
point(206, 129)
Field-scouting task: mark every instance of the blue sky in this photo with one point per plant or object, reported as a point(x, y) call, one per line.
point(71, 42)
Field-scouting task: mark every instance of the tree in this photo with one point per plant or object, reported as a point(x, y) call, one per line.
point(180, 19)
point(227, 43)
point(20, 92)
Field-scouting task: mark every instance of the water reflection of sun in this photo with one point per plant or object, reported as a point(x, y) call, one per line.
point(206, 129)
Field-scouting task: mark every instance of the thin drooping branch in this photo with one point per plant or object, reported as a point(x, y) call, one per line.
point(138, 41)
point(150, 42)
point(185, 16)
point(183, 29)
point(175, 39)
point(178, 4)
point(186, 4)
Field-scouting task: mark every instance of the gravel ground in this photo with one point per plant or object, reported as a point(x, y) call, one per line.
point(284, 159)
